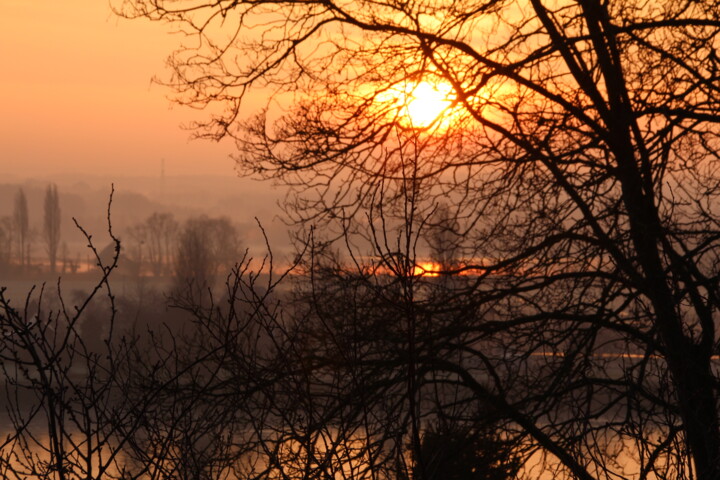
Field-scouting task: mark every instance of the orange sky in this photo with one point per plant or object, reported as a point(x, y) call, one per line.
point(76, 96)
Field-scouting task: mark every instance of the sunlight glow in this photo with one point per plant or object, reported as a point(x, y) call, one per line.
point(427, 269)
point(421, 104)
point(426, 103)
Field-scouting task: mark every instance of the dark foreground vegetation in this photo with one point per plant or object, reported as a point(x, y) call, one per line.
point(310, 373)
point(334, 367)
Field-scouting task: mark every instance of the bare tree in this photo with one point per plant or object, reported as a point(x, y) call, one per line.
point(162, 231)
point(21, 223)
point(154, 242)
point(64, 413)
point(205, 246)
point(579, 153)
point(51, 224)
point(6, 241)
point(137, 246)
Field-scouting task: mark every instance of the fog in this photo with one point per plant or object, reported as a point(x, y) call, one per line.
point(85, 198)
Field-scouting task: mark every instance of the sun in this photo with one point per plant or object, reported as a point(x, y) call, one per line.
point(427, 102)
point(419, 104)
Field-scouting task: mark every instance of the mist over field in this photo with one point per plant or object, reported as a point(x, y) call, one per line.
point(85, 197)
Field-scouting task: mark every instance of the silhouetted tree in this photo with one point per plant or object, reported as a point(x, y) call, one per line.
point(162, 231)
point(6, 241)
point(579, 157)
point(51, 224)
point(205, 246)
point(137, 246)
point(21, 223)
point(154, 242)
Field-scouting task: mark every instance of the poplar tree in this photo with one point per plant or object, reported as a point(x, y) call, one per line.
point(51, 224)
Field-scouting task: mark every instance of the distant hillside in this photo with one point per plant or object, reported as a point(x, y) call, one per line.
point(136, 198)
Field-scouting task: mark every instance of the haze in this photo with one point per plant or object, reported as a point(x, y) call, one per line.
point(77, 96)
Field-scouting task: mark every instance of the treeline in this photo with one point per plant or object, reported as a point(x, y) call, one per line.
point(18, 236)
point(193, 252)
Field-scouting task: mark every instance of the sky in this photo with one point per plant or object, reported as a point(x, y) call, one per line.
point(76, 96)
